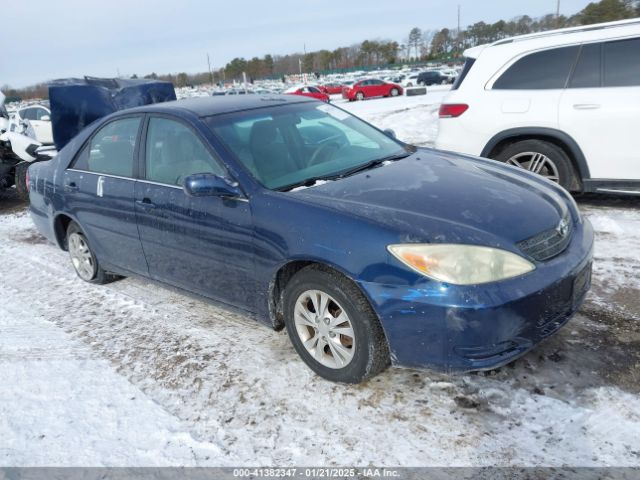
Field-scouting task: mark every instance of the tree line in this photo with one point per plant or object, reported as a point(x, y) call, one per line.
point(419, 45)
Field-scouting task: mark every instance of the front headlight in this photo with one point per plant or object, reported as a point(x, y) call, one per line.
point(461, 264)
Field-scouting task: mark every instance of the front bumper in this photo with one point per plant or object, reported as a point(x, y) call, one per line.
point(457, 329)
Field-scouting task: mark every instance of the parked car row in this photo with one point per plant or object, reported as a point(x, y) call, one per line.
point(427, 78)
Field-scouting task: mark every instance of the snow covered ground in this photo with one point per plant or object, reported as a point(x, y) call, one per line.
point(133, 373)
point(413, 119)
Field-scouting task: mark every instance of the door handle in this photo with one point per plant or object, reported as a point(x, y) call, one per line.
point(146, 203)
point(70, 187)
point(586, 106)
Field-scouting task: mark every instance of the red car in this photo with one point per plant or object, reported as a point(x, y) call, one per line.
point(308, 91)
point(371, 88)
point(331, 88)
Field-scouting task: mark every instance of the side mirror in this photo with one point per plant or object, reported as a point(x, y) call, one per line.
point(45, 118)
point(210, 185)
point(389, 133)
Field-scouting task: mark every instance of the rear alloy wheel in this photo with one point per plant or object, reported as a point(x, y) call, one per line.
point(359, 96)
point(333, 327)
point(542, 158)
point(394, 92)
point(20, 179)
point(83, 259)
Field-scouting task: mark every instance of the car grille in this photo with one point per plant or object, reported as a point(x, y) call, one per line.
point(549, 243)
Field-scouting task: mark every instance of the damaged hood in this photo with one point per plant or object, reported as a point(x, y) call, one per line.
point(478, 201)
point(76, 103)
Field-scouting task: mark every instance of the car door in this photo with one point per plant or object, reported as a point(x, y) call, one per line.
point(42, 125)
point(365, 88)
point(600, 109)
point(527, 93)
point(99, 189)
point(202, 244)
point(315, 93)
point(377, 88)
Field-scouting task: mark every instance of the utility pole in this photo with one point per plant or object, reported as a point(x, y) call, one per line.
point(558, 13)
point(459, 42)
point(210, 71)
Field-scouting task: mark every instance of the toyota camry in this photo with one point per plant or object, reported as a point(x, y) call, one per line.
point(369, 251)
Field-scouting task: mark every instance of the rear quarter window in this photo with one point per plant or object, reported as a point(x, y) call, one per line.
point(621, 63)
point(463, 74)
point(548, 69)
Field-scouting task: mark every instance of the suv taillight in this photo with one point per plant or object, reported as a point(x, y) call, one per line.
point(452, 110)
point(26, 179)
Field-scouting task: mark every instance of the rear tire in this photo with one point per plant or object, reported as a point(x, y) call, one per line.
point(20, 180)
point(342, 342)
point(83, 259)
point(541, 157)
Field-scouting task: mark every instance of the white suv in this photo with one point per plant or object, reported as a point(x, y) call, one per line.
point(564, 104)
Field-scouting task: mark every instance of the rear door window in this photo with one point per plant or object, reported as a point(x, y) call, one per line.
point(111, 150)
point(588, 69)
point(548, 69)
point(621, 66)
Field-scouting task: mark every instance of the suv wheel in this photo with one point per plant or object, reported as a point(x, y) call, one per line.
point(543, 158)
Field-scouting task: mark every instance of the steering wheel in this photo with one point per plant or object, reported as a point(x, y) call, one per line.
point(322, 152)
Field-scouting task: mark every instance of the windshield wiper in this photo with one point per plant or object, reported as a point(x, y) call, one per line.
point(310, 182)
point(374, 163)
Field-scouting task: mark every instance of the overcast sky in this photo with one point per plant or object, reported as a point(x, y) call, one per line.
point(46, 39)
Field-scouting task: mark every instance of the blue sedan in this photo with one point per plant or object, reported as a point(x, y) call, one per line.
point(369, 251)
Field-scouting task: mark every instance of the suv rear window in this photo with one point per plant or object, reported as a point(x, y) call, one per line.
point(465, 70)
point(548, 69)
point(622, 63)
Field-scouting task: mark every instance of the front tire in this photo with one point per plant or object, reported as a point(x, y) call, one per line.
point(83, 259)
point(359, 96)
point(394, 92)
point(543, 158)
point(333, 327)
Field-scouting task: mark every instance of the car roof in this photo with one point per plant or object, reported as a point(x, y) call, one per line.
point(208, 106)
point(559, 37)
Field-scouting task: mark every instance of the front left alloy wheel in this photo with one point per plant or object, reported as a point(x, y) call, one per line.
point(333, 327)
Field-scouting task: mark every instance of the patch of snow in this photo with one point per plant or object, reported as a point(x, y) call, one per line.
point(317, 183)
point(132, 373)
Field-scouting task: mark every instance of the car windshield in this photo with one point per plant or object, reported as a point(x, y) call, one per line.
point(298, 144)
